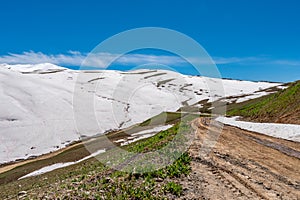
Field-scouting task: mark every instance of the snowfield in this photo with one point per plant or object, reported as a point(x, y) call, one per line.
point(37, 110)
point(284, 131)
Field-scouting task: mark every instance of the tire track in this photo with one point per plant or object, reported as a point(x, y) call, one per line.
point(243, 163)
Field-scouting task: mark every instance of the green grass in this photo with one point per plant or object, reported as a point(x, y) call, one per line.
point(144, 185)
point(135, 185)
point(279, 104)
point(173, 188)
point(163, 118)
point(92, 179)
point(80, 151)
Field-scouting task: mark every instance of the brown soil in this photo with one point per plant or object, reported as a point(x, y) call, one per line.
point(292, 117)
point(12, 165)
point(243, 165)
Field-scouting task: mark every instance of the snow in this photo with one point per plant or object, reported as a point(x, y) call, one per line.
point(60, 165)
point(135, 137)
point(36, 68)
point(284, 131)
point(132, 140)
point(252, 96)
point(143, 134)
point(155, 129)
point(36, 102)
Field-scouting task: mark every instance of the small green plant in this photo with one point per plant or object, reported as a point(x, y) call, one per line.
point(173, 188)
point(94, 179)
point(134, 185)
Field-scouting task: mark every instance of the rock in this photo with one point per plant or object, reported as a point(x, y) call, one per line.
point(109, 180)
point(22, 193)
point(159, 180)
point(259, 182)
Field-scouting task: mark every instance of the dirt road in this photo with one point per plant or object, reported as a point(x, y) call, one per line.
point(243, 165)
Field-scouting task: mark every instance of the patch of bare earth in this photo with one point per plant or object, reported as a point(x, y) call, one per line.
point(242, 165)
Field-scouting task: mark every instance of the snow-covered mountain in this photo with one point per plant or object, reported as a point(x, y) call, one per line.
point(36, 102)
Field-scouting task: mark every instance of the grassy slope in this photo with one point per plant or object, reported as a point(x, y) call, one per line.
point(80, 151)
point(92, 179)
point(281, 107)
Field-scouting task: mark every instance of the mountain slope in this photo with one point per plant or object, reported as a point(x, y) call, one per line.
point(242, 165)
point(37, 110)
point(280, 107)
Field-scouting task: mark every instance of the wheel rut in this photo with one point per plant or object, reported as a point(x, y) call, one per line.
point(242, 165)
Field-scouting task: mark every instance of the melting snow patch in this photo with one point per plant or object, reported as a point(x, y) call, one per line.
point(145, 134)
point(155, 129)
point(60, 165)
point(284, 131)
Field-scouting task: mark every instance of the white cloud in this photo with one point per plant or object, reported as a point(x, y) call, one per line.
point(261, 60)
point(38, 57)
point(241, 60)
point(75, 58)
point(287, 62)
point(101, 60)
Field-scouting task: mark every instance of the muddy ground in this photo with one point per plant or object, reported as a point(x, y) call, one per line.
point(239, 165)
point(242, 165)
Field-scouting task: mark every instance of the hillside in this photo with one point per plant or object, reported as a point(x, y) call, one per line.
point(93, 180)
point(241, 165)
point(281, 107)
point(37, 100)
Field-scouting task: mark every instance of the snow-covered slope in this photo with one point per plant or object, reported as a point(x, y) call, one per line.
point(36, 102)
point(38, 68)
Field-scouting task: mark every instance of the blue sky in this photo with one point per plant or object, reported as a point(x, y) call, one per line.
point(251, 40)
